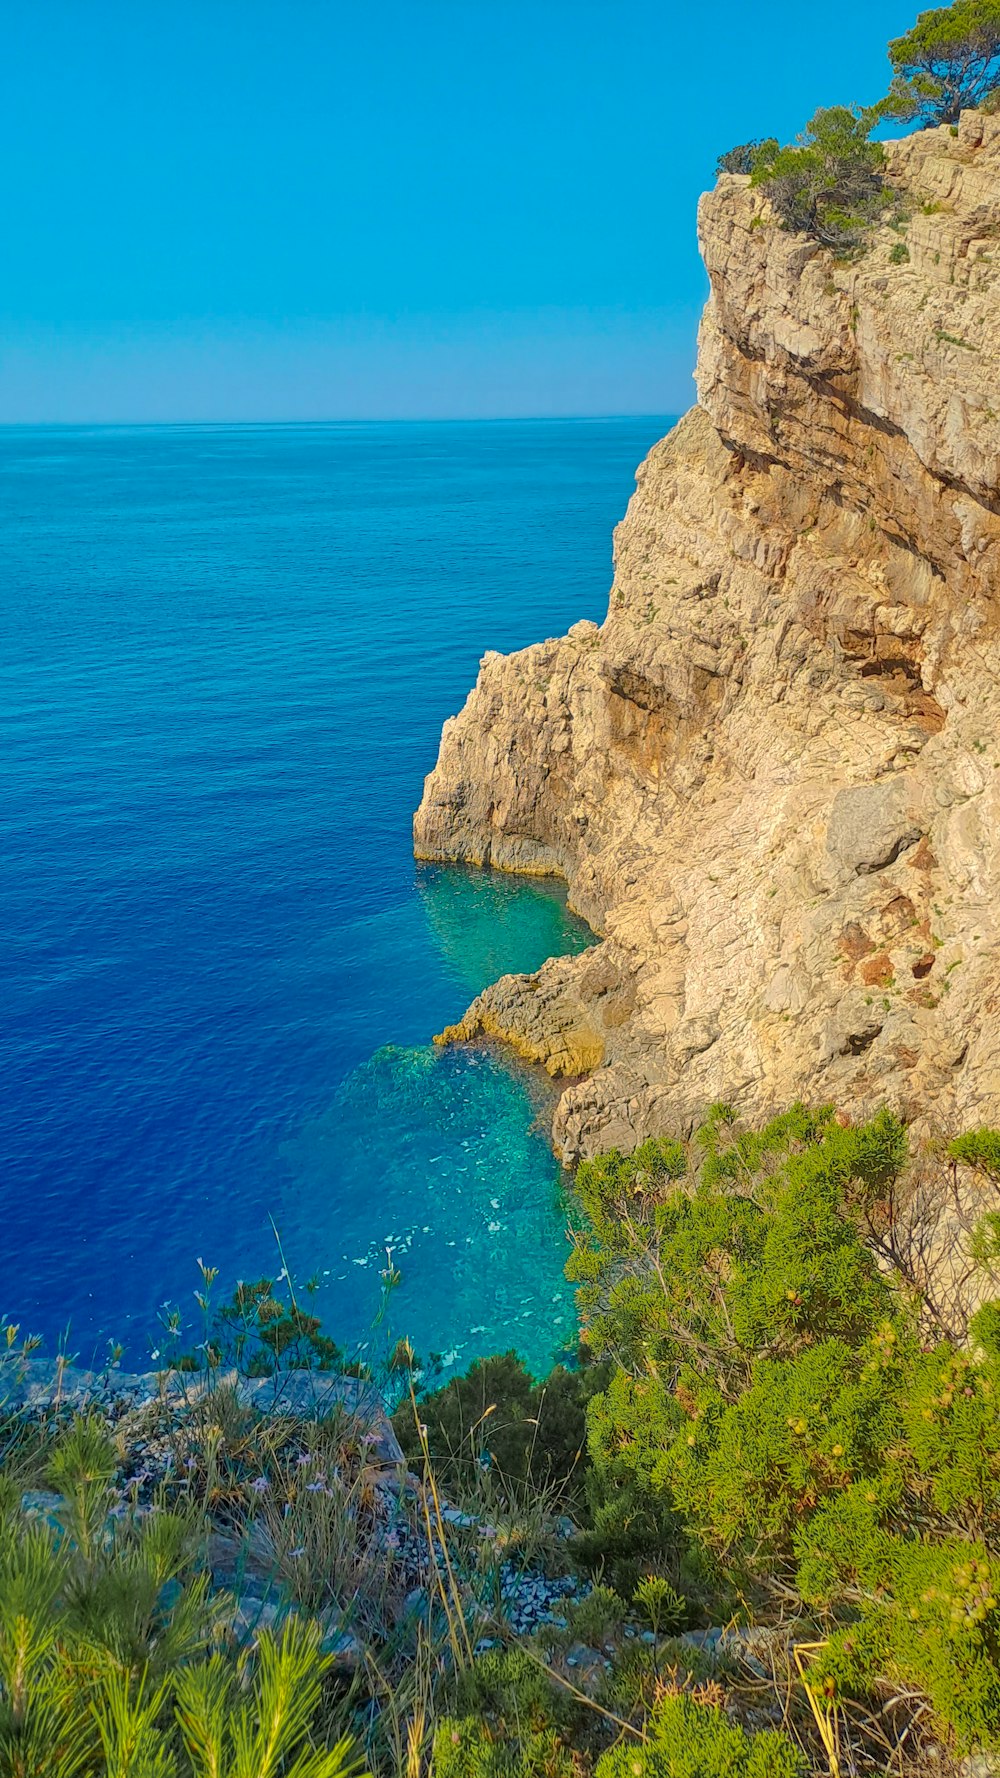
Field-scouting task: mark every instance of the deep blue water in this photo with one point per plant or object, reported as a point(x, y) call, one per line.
point(227, 654)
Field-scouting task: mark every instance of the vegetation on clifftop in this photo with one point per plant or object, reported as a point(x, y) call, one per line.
point(948, 62)
point(830, 182)
point(759, 1522)
point(781, 1431)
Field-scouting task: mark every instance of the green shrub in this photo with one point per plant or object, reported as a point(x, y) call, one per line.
point(745, 156)
point(689, 1290)
point(110, 1661)
point(931, 1623)
point(269, 1732)
point(641, 1672)
point(980, 1150)
point(772, 1407)
point(467, 1748)
point(691, 1286)
point(533, 1433)
point(506, 1719)
point(261, 1330)
point(687, 1739)
point(597, 1616)
point(660, 1603)
point(628, 1526)
point(830, 183)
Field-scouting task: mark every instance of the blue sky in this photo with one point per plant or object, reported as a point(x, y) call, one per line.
point(306, 209)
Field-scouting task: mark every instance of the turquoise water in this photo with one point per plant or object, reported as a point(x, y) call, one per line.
point(227, 653)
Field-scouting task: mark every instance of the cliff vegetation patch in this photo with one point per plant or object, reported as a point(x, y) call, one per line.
point(830, 183)
point(755, 1529)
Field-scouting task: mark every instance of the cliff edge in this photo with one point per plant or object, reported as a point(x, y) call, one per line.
point(771, 778)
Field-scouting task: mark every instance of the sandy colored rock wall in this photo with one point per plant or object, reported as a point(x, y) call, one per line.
point(771, 778)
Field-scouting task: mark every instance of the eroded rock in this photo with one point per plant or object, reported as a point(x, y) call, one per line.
point(771, 778)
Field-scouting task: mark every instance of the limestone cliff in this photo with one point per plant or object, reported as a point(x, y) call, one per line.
point(771, 778)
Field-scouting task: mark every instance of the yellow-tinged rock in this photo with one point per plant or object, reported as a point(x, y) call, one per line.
point(776, 765)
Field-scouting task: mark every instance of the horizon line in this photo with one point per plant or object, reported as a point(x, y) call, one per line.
point(356, 420)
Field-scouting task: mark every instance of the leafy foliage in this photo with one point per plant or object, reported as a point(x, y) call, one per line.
point(684, 1737)
point(979, 1149)
point(746, 155)
point(466, 1747)
point(497, 1415)
point(266, 1734)
point(949, 61)
point(262, 1329)
point(660, 1603)
point(688, 1739)
point(830, 183)
point(510, 1721)
point(772, 1405)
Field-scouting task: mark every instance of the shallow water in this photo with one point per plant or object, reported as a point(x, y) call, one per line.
point(227, 654)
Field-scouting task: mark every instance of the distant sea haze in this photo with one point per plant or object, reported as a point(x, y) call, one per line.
point(228, 652)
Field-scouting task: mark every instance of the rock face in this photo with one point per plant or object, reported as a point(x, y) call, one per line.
point(771, 778)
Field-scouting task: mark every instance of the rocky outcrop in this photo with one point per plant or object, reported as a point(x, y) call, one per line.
point(771, 778)
point(42, 1386)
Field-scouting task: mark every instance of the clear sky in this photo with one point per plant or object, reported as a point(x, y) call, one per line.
point(308, 209)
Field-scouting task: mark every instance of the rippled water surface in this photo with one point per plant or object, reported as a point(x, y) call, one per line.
point(227, 654)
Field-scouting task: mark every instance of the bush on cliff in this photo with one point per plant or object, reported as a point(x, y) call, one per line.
point(774, 1401)
point(773, 1427)
point(746, 156)
point(830, 183)
point(687, 1738)
point(684, 1737)
point(497, 1417)
point(512, 1721)
point(260, 1331)
point(948, 62)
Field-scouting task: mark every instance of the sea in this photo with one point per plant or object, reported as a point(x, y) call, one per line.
point(227, 654)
